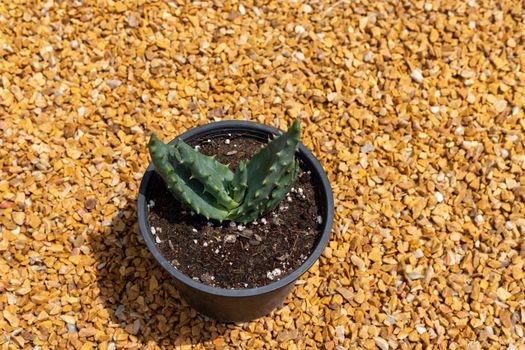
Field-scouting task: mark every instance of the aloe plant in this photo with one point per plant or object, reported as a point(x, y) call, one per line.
point(211, 189)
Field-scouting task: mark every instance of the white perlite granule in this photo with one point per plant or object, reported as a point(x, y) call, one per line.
point(274, 273)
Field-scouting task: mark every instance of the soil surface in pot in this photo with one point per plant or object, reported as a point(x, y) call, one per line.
point(230, 255)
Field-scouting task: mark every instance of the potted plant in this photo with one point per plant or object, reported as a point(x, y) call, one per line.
point(234, 216)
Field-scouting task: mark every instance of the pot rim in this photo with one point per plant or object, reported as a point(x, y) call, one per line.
point(327, 216)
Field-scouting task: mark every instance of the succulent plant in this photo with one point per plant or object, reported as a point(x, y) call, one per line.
point(211, 189)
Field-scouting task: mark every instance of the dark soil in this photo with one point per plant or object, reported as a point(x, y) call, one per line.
point(233, 256)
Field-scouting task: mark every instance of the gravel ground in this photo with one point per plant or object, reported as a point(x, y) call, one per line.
point(414, 108)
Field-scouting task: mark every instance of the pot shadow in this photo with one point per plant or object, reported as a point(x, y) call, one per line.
point(137, 293)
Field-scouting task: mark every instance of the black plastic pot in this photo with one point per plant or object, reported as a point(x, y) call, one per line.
point(239, 305)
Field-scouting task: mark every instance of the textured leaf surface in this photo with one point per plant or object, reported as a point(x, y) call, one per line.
point(178, 180)
point(239, 182)
point(213, 190)
point(265, 171)
point(276, 197)
point(214, 176)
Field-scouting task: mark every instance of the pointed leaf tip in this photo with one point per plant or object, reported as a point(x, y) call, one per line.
point(296, 126)
point(152, 139)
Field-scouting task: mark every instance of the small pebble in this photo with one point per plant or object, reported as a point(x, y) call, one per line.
point(71, 328)
point(390, 320)
point(81, 111)
point(368, 57)
point(307, 8)
point(358, 262)
point(242, 9)
point(381, 343)
point(114, 83)
point(300, 56)
point(415, 276)
point(171, 96)
point(500, 105)
point(367, 148)
point(478, 219)
point(417, 76)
